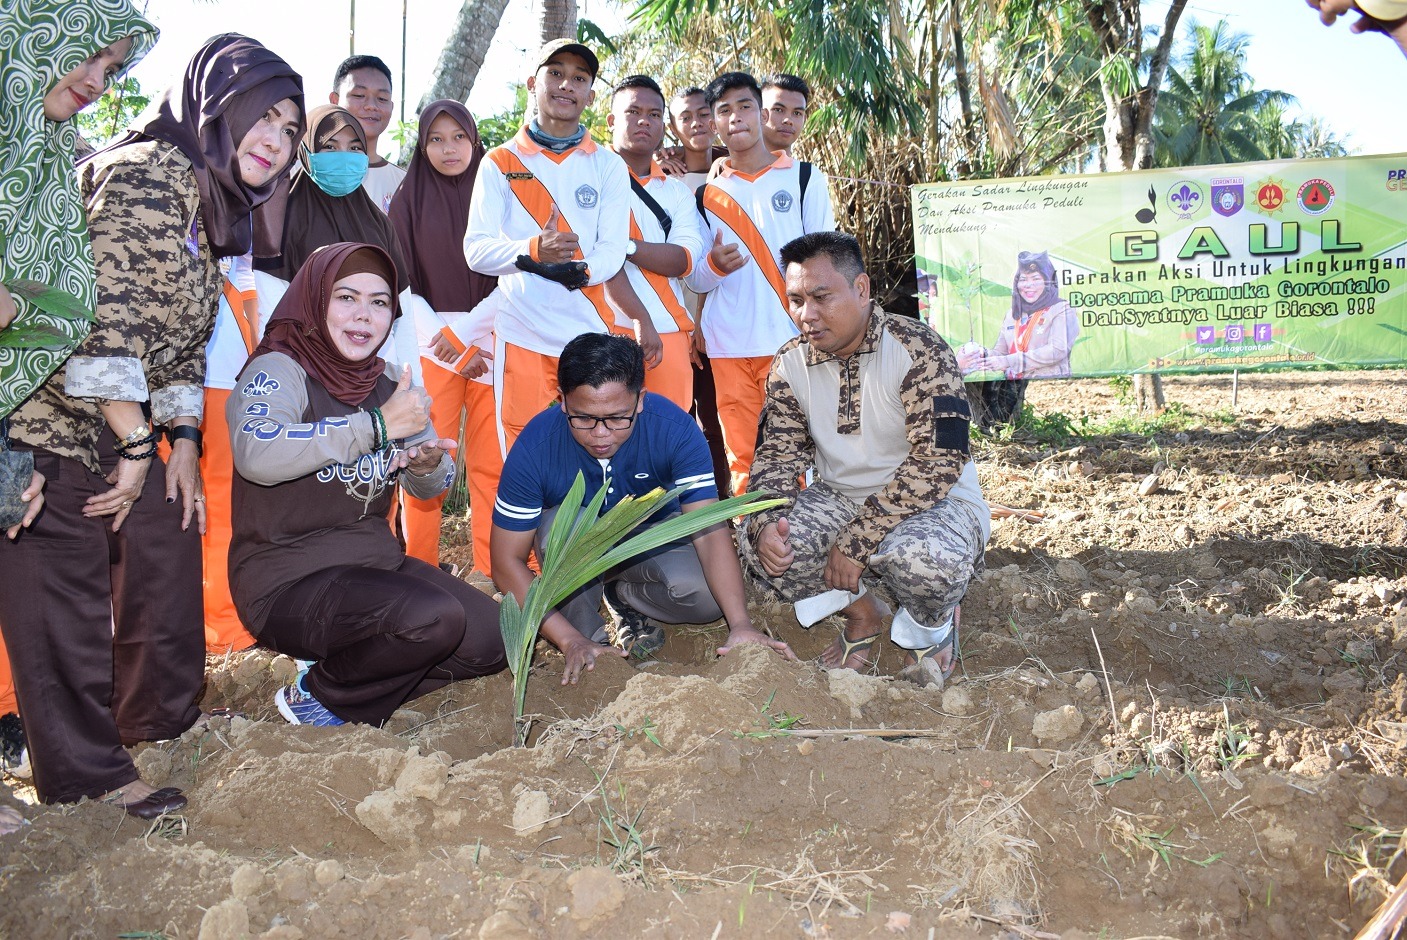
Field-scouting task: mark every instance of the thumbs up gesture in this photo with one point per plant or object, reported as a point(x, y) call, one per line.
point(774, 548)
point(407, 411)
point(725, 258)
point(554, 246)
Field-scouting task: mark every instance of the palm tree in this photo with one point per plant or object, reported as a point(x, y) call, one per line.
point(1211, 107)
point(1315, 139)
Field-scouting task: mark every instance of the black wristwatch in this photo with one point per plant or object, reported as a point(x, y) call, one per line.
point(185, 432)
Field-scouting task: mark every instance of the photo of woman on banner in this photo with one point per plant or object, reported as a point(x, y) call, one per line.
point(1038, 332)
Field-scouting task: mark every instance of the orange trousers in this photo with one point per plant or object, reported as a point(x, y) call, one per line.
point(526, 383)
point(742, 389)
point(8, 703)
point(223, 630)
point(452, 395)
point(674, 377)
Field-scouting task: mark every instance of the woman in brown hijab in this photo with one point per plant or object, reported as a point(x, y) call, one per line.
point(430, 213)
point(108, 646)
point(321, 437)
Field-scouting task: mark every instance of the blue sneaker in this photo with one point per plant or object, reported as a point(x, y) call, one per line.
point(300, 708)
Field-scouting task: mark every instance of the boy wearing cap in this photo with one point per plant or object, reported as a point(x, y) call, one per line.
point(551, 219)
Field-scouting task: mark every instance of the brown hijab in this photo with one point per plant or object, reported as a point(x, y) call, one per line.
point(313, 219)
point(298, 328)
point(229, 83)
point(430, 213)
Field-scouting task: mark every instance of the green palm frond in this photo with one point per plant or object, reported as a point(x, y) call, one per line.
point(581, 546)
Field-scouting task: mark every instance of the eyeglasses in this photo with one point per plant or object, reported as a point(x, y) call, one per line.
point(612, 422)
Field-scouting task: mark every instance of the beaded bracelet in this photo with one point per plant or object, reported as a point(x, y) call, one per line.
point(381, 438)
point(129, 444)
point(126, 454)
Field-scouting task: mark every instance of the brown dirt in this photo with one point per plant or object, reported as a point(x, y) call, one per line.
point(1249, 782)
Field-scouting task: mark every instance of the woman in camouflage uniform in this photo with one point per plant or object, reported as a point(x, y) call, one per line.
point(104, 625)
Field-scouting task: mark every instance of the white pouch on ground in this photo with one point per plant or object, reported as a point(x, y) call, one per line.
point(809, 610)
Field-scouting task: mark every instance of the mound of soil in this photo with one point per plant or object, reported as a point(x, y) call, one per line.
point(1180, 712)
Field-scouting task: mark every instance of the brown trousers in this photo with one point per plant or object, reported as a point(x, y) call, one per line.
point(382, 638)
point(104, 628)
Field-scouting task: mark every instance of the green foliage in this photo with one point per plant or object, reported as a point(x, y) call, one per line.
point(594, 36)
point(499, 128)
point(1211, 111)
point(1058, 428)
point(621, 833)
point(581, 546)
point(113, 112)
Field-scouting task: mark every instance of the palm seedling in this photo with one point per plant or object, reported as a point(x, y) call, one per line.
point(580, 546)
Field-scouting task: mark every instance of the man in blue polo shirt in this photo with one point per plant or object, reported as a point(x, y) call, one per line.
point(607, 427)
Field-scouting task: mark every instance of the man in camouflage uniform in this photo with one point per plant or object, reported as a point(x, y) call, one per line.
point(873, 403)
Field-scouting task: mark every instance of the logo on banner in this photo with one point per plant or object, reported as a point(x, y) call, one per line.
point(1260, 332)
point(1270, 195)
point(1315, 196)
point(1186, 198)
point(1397, 180)
point(1206, 336)
point(1228, 195)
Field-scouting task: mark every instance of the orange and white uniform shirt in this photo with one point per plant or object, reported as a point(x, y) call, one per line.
point(663, 296)
point(745, 313)
point(517, 186)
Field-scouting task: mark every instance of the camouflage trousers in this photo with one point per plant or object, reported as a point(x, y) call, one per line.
point(923, 566)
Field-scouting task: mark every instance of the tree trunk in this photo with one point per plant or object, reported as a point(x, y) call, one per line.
point(558, 19)
point(1128, 114)
point(462, 55)
point(464, 50)
point(969, 128)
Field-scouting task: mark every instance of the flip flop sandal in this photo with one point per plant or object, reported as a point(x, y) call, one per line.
point(849, 648)
point(925, 670)
point(157, 803)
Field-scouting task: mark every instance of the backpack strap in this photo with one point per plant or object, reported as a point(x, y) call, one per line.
point(650, 202)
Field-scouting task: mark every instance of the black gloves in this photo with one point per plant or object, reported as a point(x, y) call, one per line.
point(570, 274)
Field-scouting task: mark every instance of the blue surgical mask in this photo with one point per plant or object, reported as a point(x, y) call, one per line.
point(338, 172)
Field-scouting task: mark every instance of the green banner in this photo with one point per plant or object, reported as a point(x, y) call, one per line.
point(1284, 264)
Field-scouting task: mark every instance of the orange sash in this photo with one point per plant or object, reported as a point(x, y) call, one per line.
point(723, 205)
point(535, 198)
point(660, 285)
point(246, 319)
point(1023, 333)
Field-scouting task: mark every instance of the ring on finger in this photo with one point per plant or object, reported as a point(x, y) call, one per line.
point(200, 499)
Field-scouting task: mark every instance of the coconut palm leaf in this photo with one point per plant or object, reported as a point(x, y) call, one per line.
point(581, 546)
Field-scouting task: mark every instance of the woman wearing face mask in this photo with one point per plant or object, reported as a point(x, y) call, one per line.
point(322, 436)
point(56, 58)
point(1039, 331)
point(325, 204)
point(454, 325)
point(107, 645)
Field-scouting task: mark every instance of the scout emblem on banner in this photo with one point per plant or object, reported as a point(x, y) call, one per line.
point(1270, 196)
point(1228, 195)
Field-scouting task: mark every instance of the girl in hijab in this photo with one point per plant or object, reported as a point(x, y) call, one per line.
point(1038, 332)
point(454, 324)
point(56, 58)
point(107, 646)
point(321, 436)
point(326, 204)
